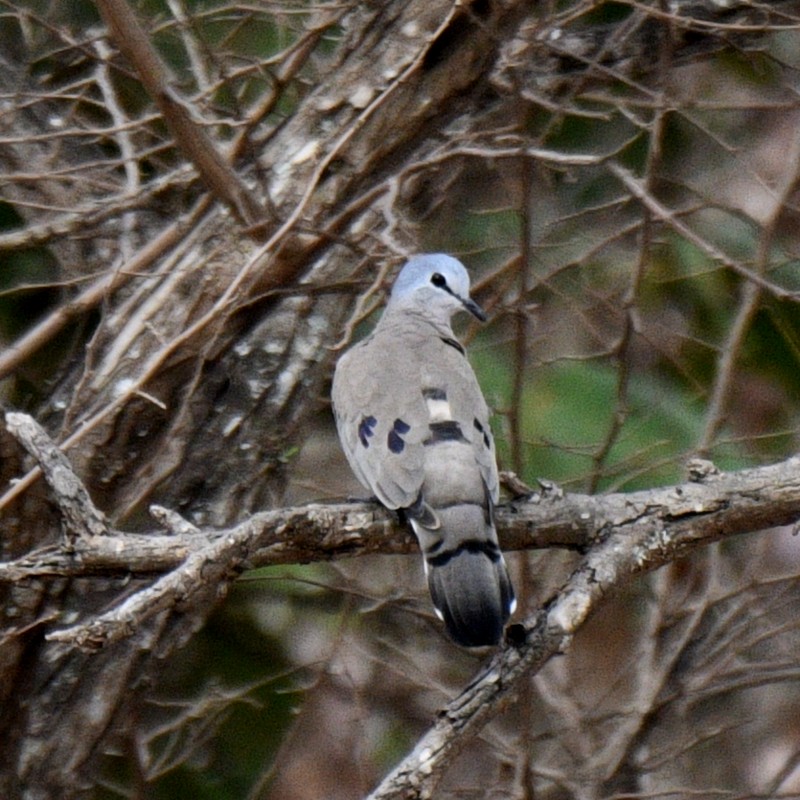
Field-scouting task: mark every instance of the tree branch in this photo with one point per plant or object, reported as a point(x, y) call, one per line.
point(649, 536)
point(217, 173)
point(82, 517)
point(652, 527)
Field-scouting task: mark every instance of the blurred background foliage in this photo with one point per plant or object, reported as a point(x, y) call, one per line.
point(611, 324)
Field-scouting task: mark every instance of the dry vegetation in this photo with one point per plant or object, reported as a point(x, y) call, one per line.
point(203, 202)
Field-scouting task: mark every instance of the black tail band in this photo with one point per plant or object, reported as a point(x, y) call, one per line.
point(489, 549)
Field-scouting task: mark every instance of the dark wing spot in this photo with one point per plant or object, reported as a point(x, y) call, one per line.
point(365, 429)
point(395, 442)
point(446, 431)
point(453, 343)
point(434, 394)
point(395, 438)
point(477, 423)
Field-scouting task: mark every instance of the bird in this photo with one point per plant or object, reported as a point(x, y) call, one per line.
point(414, 426)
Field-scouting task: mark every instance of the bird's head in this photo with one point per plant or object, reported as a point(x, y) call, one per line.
point(437, 285)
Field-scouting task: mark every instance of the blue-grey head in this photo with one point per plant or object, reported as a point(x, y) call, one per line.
point(437, 285)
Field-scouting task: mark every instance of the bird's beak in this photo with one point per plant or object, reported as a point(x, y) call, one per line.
point(474, 309)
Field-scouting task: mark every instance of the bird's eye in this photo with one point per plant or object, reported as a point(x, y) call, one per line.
point(438, 280)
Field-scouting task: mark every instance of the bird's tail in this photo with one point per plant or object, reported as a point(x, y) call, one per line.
point(467, 575)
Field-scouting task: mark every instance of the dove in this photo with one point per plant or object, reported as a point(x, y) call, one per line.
point(414, 426)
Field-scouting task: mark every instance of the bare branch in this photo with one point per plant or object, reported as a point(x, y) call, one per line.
point(44, 331)
point(666, 215)
point(690, 515)
point(215, 170)
point(82, 517)
point(640, 544)
point(655, 526)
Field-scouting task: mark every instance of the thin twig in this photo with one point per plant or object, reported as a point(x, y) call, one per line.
point(749, 304)
point(671, 218)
